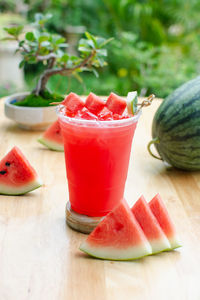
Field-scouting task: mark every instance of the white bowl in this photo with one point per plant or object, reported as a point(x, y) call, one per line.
point(30, 118)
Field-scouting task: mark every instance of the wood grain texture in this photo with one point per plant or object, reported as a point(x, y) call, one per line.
point(39, 256)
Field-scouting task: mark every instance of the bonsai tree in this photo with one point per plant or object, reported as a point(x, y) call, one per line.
point(49, 49)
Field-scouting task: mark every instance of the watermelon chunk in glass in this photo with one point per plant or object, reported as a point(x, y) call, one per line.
point(52, 137)
point(150, 226)
point(73, 103)
point(94, 104)
point(117, 237)
point(159, 210)
point(17, 176)
point(116, 104)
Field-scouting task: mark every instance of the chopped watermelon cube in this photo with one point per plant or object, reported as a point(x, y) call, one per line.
point(73, 103)
point(94, 103)
point(70, 114)
point(116, 104)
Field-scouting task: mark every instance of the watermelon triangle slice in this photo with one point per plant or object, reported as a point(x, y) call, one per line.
point(17, 176)
point(117, 237)
point(150, 226)
point(159, 210)
point(52, 137)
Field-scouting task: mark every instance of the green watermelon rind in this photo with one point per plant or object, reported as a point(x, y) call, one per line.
point(163, 244)
point(23, 189)
point(93, 252)
point(175, 242)
point(178, 133)
point(51, 145)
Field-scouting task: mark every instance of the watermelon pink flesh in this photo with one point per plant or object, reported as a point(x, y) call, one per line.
point(117, 237)
point(52, 137)
point(94, 103)
point(116, 104)
point(150, 226)
point(160, 212)
point(73, 103)
point(17, 176)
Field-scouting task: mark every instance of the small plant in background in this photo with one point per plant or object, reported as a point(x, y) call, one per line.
point(48, 49)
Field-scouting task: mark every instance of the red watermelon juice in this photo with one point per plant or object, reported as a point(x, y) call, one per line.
point(97, 157)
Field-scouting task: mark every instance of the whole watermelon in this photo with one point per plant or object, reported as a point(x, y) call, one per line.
point(176, 127)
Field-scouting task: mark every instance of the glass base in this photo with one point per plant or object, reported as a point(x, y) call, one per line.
point(81, 223)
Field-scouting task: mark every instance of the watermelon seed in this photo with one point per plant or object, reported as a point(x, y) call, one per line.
point(3, 172)
point(119, 226)
point(7, 163)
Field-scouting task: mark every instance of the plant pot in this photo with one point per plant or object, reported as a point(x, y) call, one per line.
point(29, 118)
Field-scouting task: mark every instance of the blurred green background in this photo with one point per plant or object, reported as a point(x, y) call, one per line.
point(156, 44)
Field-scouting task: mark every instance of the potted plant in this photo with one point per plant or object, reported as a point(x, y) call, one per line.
point(33, 110)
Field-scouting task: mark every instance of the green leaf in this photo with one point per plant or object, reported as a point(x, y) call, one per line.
point(92, 38)
point(45, 44)
point(64, 58)
point(102, 52)
point(15, 31)
point(32, 59)
point(100, 61)
point(43, 38)
point(105, 42)
point(21, 64)
point(60, 40)
point(74, 58)
point(30, 36)
point(84, 49)
point(95, 72)
point(21, 43)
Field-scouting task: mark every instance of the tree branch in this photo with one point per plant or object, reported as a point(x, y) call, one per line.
point(46, 57)
point(50, 72)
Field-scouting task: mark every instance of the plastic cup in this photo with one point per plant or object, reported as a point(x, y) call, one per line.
point(97, 156)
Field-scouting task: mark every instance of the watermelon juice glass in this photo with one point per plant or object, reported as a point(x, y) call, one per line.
point(97, 157)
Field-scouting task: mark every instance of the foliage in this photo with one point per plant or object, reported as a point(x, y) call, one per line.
point(49, 49)
point(40, 101)
point(156, 43)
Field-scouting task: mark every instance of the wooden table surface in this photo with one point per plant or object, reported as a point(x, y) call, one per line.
point(39, 255)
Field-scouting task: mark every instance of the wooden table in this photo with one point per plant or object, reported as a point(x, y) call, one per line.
point(39, 255)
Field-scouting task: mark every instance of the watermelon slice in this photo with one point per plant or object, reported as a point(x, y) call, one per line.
point(150, 226)
point(17, 176)
point(117, 237)
point(116, 104)
point(160, 212)
point(52, 137)
point(73, 103)
point(94, 103)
